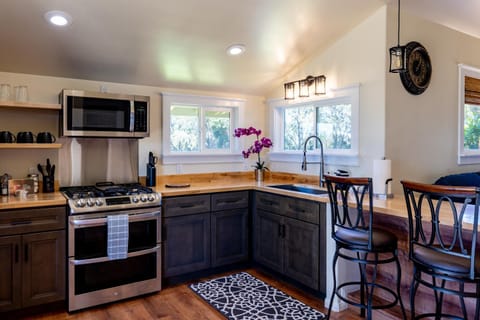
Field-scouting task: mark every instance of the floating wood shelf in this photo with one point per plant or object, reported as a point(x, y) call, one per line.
point(30, 105)
point(30, 145)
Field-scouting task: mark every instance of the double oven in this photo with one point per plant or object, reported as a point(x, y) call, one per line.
point(93, 276)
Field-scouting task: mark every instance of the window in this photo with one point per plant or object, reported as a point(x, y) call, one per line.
point(469, 111)
point(199, 129)
point(334, 119)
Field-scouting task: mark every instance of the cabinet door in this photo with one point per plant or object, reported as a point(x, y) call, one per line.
point(10, 275)
point(302, 252)
point(268, 244)
point(43, 272)
point(229, 237)
point(187, 244)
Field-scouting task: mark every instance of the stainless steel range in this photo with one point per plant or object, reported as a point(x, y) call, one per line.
point(94, 277)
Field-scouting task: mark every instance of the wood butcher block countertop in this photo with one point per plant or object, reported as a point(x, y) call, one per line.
point(32, 200)
point(220, 182)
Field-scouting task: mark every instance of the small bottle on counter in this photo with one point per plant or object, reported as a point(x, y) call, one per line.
point(4, 184)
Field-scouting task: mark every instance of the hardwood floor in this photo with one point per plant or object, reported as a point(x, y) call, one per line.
point(180, 303)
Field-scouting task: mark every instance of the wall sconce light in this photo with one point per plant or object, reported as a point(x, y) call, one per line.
point(397, 54)
point(304, 87)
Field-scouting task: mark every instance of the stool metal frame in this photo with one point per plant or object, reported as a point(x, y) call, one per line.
point(444, 260)
point(356, 240)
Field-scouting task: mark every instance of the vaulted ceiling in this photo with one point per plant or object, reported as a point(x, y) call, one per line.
point(183, 43)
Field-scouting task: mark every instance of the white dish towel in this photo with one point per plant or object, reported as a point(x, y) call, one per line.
point(117, 236)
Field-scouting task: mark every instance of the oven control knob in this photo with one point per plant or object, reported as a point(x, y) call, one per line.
point(90, 202)
point(80, 203)
point(143, 198)
point(135, 199)
point(99, 202)
point(151, 197)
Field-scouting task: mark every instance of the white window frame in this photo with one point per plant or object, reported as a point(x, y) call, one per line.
point(346, 95)
point(204, 102)
point(465, 156)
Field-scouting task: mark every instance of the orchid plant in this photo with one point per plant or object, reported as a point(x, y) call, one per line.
point(256, 147)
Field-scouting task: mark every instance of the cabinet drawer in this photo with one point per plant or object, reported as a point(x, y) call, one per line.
point(287, 206)
point(229, 200)
point(269, 202)
point(180, 206)
point(302, 209)
point(32, 220)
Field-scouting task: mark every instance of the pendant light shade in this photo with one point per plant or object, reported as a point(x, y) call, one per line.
point(397, 59)
point(397, 54)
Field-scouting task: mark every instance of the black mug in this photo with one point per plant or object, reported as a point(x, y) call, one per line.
point(25, 137)
point(45, 137)
point(6, 137)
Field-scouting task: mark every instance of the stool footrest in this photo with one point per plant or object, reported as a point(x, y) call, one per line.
point(387, 305)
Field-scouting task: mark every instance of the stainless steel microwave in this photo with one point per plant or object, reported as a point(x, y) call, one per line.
point(108, 115)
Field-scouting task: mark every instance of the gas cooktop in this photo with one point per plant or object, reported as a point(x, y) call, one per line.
point(109, 196)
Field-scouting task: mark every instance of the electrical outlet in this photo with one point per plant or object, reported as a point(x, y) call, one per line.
point(103, 88)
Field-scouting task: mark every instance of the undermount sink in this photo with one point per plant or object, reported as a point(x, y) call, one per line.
point(300, 188)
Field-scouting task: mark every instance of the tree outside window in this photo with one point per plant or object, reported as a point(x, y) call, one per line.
point(332, 123)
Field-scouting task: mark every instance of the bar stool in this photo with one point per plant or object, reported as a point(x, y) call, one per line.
point(446, 255)
point(356, 240)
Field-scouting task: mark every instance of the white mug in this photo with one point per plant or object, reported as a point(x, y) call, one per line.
point(5, 92)
point(21, 93)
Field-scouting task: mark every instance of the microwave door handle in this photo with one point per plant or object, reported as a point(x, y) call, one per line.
point(132, 115)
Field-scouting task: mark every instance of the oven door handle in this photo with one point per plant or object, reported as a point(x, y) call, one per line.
point(103, 221)
point(105, 259)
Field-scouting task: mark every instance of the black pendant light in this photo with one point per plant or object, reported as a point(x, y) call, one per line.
point(397, 54)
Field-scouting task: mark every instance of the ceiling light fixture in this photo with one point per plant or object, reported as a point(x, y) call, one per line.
point(58, 18)
point(236, 49)
point(397, 54)
point(304, 87)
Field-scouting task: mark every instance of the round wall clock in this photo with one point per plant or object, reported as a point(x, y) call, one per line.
point(418, 72)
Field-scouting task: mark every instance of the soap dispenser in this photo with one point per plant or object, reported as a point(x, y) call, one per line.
point(151, 170)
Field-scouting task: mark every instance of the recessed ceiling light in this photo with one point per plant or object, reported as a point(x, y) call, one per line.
point(236, 49)
point(58, 18)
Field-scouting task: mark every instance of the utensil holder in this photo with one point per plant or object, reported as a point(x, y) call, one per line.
point(48, 184)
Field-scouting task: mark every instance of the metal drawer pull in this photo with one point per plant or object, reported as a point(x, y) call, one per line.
point(103, 221)
point(298, 209)
point(230, 201)
point(188, 205)
point(17, 223)
point(16, 253)
point(105, 259)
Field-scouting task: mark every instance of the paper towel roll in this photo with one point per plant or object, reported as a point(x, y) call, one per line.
point(381, 172)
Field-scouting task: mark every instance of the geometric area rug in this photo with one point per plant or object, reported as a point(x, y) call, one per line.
point(241, 296)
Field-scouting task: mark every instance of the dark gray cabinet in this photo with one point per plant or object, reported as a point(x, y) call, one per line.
point(186, 231)
point(229, 228)
point(32, 257)
point(289, 237)
point(204, 231)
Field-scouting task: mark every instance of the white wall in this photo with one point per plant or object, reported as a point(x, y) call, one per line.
point(358, 57)
point(46, 89)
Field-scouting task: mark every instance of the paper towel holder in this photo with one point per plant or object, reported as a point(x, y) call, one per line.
point(386, 195)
